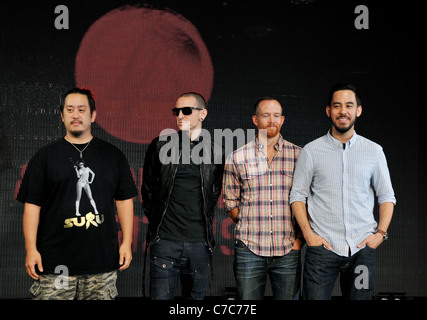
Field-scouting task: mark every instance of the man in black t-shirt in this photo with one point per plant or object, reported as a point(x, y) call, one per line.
point(180, 193)
point(69, 190)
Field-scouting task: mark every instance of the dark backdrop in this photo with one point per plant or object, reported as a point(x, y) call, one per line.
point(241, 50)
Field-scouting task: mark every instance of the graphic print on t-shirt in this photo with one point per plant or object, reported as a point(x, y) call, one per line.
point(86, 177)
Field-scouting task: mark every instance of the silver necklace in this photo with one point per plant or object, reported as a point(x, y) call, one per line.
point(81, 151)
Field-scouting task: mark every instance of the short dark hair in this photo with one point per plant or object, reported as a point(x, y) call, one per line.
point(256, 104)
point(85, 91)
point(344, 86)
point(200, 100)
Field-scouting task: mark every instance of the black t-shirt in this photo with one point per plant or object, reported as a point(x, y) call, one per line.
point(184, 219)
point(77, 225)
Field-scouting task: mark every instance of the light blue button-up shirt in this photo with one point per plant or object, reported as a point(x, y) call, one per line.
point(339, 183)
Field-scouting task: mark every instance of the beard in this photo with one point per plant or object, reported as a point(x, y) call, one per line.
point(343, 129)
point(76, 134)
point(270, 132)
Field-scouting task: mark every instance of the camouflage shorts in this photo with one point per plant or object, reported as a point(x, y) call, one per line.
point(86, 287)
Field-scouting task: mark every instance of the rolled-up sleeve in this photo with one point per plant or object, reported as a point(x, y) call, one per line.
point(231, 185)
point(381, 180)
point(303, 176)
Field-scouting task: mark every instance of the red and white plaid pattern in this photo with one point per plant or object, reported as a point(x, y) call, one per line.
point(261, 191)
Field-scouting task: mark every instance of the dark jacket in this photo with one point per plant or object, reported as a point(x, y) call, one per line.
point(160, 166)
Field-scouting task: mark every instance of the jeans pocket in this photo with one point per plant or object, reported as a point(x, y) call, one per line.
point(320, 246)
point(239, 244)
point(370, 248)
point(162, 263)
point(155, 241)
point(113, 293)
point(35, 289)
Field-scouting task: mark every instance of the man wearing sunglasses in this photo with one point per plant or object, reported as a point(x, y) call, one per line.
point(179, 200)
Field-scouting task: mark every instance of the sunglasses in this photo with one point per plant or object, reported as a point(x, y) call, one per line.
point(186, 111)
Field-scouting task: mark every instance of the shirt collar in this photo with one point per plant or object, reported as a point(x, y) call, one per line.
point(278, 146)
point(339, 144)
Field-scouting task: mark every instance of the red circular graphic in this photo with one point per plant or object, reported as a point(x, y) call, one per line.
point(138, 61)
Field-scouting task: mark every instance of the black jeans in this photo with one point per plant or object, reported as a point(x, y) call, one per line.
point(172, 261)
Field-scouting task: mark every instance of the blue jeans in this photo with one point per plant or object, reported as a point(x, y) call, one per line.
point(251, 274)
point(322, 267)
point(172, 261)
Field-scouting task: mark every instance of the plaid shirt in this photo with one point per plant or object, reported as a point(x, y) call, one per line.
point(261, 192)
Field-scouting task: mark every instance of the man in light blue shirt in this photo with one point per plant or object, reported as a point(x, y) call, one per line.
point(336, 179)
